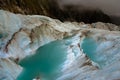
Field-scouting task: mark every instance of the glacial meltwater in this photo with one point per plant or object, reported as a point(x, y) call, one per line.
point(96, 51)
point(89, 46)
point(46, 62)
point(49, 59)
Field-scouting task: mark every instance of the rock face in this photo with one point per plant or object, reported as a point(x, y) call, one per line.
point(22, 35)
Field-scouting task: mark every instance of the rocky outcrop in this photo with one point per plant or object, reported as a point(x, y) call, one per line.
point(22, 35)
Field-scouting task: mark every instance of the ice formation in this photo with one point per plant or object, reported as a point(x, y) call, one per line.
point(92, 49)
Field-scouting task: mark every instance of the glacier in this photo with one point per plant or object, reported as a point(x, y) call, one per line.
point(93, 50)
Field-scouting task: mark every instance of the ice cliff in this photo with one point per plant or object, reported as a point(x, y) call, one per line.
point(93, 49)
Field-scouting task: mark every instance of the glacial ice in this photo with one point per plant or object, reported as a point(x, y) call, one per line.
point(93, 52)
